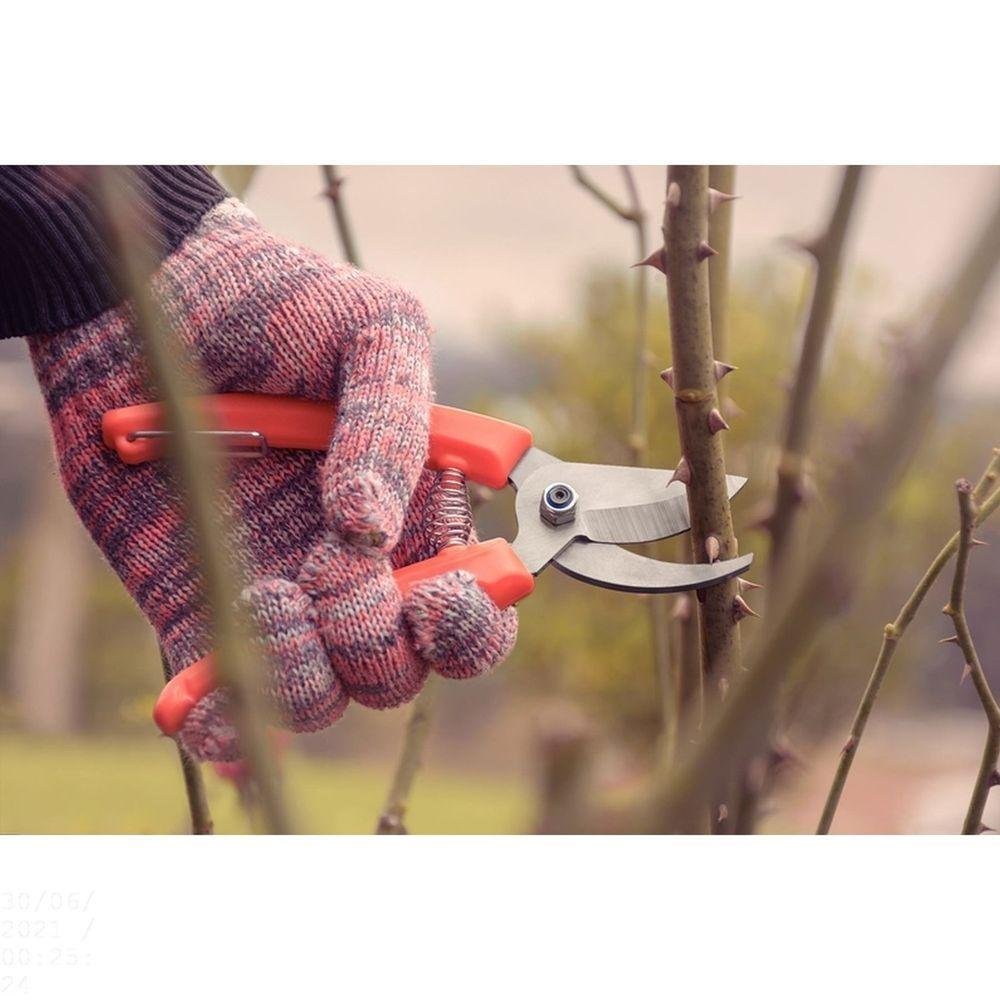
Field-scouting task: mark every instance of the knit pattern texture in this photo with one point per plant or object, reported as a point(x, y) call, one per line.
point(316, 536)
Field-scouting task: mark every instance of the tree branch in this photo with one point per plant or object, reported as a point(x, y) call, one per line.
point(411, 758)
point(627, 213)
point(693, 378)
point(828, 252)
point(955, 609)
point(194, 786)
point(740, 728)
point(236, 663)
point(892, 634)
point(333, 192)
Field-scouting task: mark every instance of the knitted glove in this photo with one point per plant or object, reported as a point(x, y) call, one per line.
point(317, 536)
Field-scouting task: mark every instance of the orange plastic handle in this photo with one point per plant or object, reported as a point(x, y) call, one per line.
point(484, 448)
point(495, 565)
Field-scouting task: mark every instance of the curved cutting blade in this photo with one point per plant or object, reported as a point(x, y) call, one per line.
point(618, 569)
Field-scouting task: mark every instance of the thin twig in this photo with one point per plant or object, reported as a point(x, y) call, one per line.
point(237, 665)
point(410, 759)
point(828, 253)
point(740, 728)
point(625, 212)
point(194, 786)
point(891, 636)
point(955, 609)
point(334, 193)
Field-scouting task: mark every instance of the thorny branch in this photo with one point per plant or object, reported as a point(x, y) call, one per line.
point(742, 725)
point(892, 634)
point(333, 192)
point(955, 609)
point(828, 252)
point(693, 377)
point(194, 785)
point(237, 665)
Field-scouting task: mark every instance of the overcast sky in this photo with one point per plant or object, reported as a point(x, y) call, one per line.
point(487, 246)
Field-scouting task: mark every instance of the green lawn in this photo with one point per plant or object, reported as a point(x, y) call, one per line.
point(134, 786)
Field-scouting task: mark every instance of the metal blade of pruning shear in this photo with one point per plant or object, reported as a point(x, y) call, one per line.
point(618, 569)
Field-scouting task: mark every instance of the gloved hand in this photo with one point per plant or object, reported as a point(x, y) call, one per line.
point(317, 536)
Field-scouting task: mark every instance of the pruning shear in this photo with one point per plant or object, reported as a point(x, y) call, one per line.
point(573, 515)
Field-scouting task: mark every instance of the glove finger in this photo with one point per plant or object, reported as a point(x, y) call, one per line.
point(383, 413)
point(358, 613)
point(456, 627)
point(302, 683)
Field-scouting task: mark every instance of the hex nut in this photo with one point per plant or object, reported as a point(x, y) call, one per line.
point(558, 504)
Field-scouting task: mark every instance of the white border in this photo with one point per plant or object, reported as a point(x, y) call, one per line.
point(514, 917)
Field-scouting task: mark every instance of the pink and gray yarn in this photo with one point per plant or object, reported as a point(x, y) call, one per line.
point(318, 535)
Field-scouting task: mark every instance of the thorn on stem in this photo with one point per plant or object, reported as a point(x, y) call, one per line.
point(749, 584)
point(722, 369)
point(682, 474)
point(951, 638)
point(966, 672)
point(718, 198)
point(673, 194)
point(850, 744)
point(716, 422)
point(704, 251)
point(332, 190)
point(656, 259)
point(668, 376)
point(993, 780)
point(742, 610)
point(978, 541)
point(723, 813)
point(712, 548)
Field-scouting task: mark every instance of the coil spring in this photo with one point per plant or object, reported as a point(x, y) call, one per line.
point(451, 523)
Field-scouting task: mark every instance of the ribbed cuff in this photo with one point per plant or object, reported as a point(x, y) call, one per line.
point(56, 269)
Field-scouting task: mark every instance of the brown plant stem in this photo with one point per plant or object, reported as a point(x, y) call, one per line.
point(828, 253)
point(411, 758)
point(236, 663)
point(740, 727)
point(955, 609)
point(194, 786)
point(334, 193)
point(892, 634)
point(685, 232)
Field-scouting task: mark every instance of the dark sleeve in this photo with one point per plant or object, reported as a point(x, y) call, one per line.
point(55, 265)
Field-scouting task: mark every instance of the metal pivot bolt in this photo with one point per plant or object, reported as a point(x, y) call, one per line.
point(558, 503)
